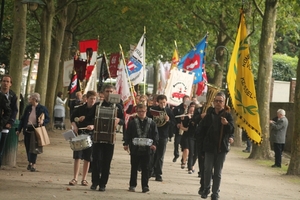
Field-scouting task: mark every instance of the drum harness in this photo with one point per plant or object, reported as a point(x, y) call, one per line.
point(142, 140)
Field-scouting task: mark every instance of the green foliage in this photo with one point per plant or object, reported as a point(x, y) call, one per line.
point(284, 67)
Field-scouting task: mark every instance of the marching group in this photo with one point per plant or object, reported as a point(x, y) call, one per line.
point(203, 133)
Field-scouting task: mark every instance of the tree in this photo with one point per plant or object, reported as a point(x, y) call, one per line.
point(264, 77)
point(18, 45)
point(294, 166)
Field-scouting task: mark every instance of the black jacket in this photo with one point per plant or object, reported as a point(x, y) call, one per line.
point(12, 100)
point(5, 111)
point(132, 133)
point(214, 140)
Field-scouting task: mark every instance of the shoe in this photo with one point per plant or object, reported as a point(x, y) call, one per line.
point(33, 169)
point(93, 187)
point(102, 189)
point(246, 151)
point(84, 183)
point(145, 189)
point(29, 167)
point(131, 189)
point(159, 179)
point(182, 165)
point(205, 193)
point(274, 166)
point(190, 172)
point(200, 191)
point(73, 182)
point(214, 197)
point(175, 159)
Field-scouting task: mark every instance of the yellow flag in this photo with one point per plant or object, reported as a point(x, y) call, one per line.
point(175, 60)
point(241, 86)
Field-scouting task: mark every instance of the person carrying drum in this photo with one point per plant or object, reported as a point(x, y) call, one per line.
point(142, 138)
point(103, 150)
point(83, 123)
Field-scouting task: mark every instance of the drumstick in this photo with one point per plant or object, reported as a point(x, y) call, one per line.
point(82, 128)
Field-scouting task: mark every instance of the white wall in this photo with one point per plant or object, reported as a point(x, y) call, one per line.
point(281, 91)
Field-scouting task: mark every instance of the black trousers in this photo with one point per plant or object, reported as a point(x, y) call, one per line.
point(159, 156)
point(177, 140)
point(143, 162)
point(102, 156)
point(278, 149)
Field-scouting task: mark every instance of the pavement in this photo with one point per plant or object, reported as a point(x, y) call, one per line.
point(242, 178)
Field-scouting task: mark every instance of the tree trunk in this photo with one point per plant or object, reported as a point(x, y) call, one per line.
point(18, 45)
point(28, 86)
point(45, 48)
point(55, 60)
point(294, 166)
point(264, 78)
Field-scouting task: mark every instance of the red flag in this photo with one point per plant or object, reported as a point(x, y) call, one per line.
point(80, 67)
point(88, 51)
point(113, 64)
point(74, 86)
point(201, 85)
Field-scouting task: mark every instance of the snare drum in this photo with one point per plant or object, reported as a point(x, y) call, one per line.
point(81, 142)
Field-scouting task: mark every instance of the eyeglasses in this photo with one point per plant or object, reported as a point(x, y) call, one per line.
point(218, 101)
point(108, 91)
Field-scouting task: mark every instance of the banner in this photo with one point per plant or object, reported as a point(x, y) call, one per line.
point(179, 85)
point(68, 68)
point(241, 86)
point(73, 87)
point(194, 60)
point(88, 51)
point(175, 59)
point(113, 64)
point(135, 65)
point(80, 68)
point(122, 86)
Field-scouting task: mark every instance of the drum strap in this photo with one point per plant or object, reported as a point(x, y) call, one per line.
point(142, 134)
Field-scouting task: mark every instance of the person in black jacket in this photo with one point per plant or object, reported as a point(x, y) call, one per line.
point(102, 152)
point(30, 118)
point(217, 129)
point(140, 128)
point(163, 132)
point(179, 110)
point(12, 100)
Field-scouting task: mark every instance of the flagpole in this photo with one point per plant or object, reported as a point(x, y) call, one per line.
point(127, 74)
point(107, 68)
point(144, 60)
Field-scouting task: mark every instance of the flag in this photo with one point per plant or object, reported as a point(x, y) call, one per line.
point(103, 74)
point(135, 66)
point(241, 86)
point(202, 87)
point(164, 71)
point(88, 51)
point(74, 86)
point(122, 86)
point(80, 68)
point(175, 60)
point(194, 60)
point(113, 64)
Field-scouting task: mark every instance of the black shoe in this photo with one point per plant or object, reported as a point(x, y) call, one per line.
point(131, 189)
point(29, 167)
point(93, 187)
point(274, 166)
point(246, 151)
point(102, 189)
point(214, 197)
point(145, 189)
point(205, 193)
point(159, 178)
point(200, 191)
point(33, 169)
point(175, 159)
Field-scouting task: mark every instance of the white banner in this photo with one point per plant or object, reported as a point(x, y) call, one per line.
point(92, 82)
point(179, 85)
point(68, 68)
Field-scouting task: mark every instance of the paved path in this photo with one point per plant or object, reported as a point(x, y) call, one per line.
point(242, 178)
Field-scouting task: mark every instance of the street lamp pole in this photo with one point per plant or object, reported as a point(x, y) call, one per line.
point(1, 18)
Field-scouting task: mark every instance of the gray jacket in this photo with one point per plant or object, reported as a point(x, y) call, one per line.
point(278, 130)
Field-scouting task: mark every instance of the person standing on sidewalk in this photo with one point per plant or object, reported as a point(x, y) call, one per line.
point(102, 153)
point(179, 110)
point(143, 129)
point(6, 83)
point(82, 120)
point(218, 129)
point(278, 135)
point(163, 132)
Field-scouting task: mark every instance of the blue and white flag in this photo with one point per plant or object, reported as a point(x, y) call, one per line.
point(136, 62)
point(194, 60)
